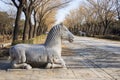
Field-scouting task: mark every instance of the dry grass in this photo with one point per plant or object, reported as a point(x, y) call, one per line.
point(40, 39)
point(4, 40)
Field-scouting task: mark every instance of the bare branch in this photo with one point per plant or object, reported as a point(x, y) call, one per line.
point(15, 3)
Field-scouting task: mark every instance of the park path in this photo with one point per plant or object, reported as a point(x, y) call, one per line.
point(99, 57)
point(86, 59)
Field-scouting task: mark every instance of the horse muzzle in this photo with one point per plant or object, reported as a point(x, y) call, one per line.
point(71, 39)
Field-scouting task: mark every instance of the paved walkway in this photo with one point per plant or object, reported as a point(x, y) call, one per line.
point(86, 59)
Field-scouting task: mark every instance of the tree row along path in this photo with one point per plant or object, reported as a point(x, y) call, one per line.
point(86, 59)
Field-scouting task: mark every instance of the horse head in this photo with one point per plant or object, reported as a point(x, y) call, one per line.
point(66, 34)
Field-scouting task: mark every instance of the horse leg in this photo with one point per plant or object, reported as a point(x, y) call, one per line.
point(20, 65)
point(60, 62)
point(19, 62)
point(23, 60)
point(57, 63)
point(49, 66)
point(52, 65)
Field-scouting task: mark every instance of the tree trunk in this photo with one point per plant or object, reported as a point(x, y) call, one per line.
point(39, 28)
point(27, 32)
point(106, 26)
point(104, 31)
point(34, 30)
point(30, 29)
point(26, 28)
point(17, 20)
point(35, 26)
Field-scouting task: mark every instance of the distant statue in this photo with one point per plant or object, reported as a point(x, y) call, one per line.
point(46, 55)
point(81, 33)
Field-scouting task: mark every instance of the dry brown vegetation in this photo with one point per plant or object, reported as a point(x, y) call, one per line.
point(96, 18)
point(39, 16)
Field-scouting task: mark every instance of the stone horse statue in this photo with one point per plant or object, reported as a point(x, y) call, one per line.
point(81, 33)
point(46, 55)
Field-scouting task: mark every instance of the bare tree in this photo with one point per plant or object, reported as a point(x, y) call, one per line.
point(44, 7)
point(29, 7)
point(117, 5)
point(41, 8)
point(19, 7)
point(105, 12)
point(42, 11)
point(6, 26)
point(95, 18)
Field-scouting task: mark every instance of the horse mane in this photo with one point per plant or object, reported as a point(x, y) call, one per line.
point(53, 33)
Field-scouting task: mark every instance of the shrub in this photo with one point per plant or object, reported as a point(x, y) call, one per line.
point(111, 37)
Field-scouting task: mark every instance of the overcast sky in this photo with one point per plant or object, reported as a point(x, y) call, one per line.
point(4, 7)
point(60, 16)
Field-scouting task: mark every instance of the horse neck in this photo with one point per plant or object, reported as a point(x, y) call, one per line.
point(53, 42)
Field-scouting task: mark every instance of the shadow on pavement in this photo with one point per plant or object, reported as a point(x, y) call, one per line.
point(97, 58)
point(4, 64)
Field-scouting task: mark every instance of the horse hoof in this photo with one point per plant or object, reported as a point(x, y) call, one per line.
point(49, 65)
point(28, 67)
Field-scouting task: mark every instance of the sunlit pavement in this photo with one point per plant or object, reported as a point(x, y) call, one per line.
point(91, 59)
point(101, 58)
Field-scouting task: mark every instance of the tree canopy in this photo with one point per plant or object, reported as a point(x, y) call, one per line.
point(98, 17)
